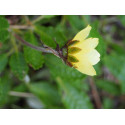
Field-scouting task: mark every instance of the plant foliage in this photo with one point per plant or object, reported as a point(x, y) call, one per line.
point(33, 79)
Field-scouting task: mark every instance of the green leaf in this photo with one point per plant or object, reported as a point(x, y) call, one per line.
point(18, 65)
point(109, 87)
point(3, 62)
point(54, 35)
point(4, 89)
point(33, 57)
point(3, 23)
point(72, 98)
point(59, 36)
point(58, 68)
point(116, 65)
point(47, 93)
point(4, 34)
point(3, 29)
point(45, 37)
point(72, 80)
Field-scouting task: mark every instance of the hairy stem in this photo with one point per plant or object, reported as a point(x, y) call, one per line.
point(45, 50)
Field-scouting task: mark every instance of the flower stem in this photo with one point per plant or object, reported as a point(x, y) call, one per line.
point(45, 49)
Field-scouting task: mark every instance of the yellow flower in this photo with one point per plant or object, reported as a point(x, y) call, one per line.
point(81, 52)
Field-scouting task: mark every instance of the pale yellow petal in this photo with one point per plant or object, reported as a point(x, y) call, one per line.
point(93, 56)
point(88, 44)
point(85, 67)
point(88, 56)
point(83, 34)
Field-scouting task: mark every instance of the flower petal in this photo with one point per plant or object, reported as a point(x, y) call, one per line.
point(85, 67)
point(82, 34)
point(93, 56)
point(88, 44)
point(87, 56)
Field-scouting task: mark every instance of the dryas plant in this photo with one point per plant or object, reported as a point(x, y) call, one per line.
point(79, 53)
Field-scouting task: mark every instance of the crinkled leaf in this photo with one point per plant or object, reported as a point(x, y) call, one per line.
point(58, 68)
point(54, 35)
point(72, 94)
point(33, 57)
point(18, 65)
point(45, 37)
point(3, 29)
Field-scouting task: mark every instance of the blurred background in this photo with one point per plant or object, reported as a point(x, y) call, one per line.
point(32, 79)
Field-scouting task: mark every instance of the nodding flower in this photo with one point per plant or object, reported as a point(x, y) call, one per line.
point(81, 52)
